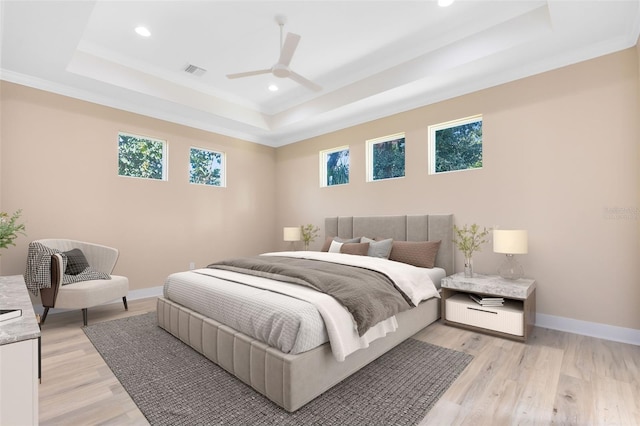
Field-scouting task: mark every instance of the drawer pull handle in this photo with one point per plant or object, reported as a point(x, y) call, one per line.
point(480, 310)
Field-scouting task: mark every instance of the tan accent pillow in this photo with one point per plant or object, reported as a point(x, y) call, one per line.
point(416, 253)
point(360, 249)
point(327, 242)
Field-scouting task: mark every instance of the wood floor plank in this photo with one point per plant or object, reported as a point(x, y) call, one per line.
point(444, 412)
point(555, 378)
point(574, 401)
point(616, 402)
point(535, 402)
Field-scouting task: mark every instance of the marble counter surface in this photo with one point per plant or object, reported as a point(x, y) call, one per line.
point(14, 295)
point(490, 284)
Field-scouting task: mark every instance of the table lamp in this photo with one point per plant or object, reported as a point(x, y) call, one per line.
point(510, 242)
point(291, 234)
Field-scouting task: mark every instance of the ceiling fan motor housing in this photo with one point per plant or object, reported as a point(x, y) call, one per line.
point(281, 70)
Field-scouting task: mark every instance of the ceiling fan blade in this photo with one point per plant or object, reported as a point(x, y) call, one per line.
point(249, 73)
point(305, 82)
point(289, 48)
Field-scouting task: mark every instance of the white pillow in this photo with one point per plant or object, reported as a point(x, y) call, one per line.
point(335, 247)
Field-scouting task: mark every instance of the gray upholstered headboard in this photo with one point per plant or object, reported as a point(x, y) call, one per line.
point(401, 228)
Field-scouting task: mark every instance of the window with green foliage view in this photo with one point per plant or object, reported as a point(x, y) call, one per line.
point(141, 157)
point(456, 145)
point(334, 166)
point(206, 167)
point(385, 157)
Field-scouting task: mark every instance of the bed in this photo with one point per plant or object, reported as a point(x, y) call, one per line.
point(295, 375)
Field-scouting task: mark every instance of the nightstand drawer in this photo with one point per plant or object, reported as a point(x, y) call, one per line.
point(506, 319)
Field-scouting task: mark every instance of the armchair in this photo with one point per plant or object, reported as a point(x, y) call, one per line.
point(84, 294)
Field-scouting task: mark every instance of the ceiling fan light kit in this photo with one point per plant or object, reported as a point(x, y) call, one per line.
point(281, 68)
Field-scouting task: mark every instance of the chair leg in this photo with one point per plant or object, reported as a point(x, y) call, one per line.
point(124, 300)
point(44, 314)
point(84, 315)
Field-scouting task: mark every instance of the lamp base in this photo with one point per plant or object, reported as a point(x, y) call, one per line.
point(511, 269)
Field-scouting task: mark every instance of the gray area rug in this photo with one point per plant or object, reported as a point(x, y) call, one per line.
point(174, 385)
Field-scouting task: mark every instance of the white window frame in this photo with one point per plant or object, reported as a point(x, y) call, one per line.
point(370, 145)
point(223, 167)
point(165, 156)
point(324, 156)
point(432, 141)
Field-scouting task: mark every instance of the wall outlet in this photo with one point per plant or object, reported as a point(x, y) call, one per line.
point(192, 266)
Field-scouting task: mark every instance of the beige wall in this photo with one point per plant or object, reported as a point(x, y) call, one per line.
point(59, 164)
point(561, 154)
point(560, 158)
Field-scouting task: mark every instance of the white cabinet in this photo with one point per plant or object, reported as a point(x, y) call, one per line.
point(19, 383)
point(508, 318)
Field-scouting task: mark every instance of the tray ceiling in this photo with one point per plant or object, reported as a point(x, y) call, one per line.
point(372, 58)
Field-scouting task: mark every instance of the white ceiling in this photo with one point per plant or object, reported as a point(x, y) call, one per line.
point(373, 58)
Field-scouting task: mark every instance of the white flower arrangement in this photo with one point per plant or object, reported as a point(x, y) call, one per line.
point(309, 233)
point(469, 238)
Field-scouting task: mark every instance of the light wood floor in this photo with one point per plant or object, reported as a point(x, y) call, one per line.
point(556, 378)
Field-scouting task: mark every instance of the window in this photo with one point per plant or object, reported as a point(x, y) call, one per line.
point(334, 166)
point(385, 157)
point(141, 157)
point(456, 145)
point(206, 167)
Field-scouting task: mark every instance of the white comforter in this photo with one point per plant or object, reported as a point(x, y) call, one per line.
point(341, 328)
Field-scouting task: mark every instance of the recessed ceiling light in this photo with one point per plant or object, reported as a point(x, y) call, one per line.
point(143, 31)
point(273, 87)
point(445, 3)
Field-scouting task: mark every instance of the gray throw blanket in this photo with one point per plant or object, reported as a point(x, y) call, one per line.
point(38, 273)
point(368, 295)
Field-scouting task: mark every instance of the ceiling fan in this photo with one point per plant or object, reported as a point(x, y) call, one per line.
point(281, 68)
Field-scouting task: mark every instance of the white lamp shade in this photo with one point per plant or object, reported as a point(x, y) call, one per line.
point(292, 233)
point(510, 241)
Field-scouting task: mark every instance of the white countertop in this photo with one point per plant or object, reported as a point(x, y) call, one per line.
point(14, 295)
point(490, 284)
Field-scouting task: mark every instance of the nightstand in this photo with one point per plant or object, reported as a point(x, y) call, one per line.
point(514, 320)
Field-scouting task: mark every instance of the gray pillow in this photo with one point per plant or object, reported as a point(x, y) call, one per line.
point(378, 248)
point(76, 262)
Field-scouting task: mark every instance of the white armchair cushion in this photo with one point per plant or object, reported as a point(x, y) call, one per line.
point(87, 294)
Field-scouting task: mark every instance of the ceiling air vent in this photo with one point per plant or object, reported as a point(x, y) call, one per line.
point(192, 69)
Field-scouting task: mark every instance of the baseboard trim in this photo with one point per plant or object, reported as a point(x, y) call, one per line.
point(143, 293)
point(592, 329)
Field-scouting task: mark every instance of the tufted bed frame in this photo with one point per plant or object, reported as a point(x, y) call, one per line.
point(293, 380)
